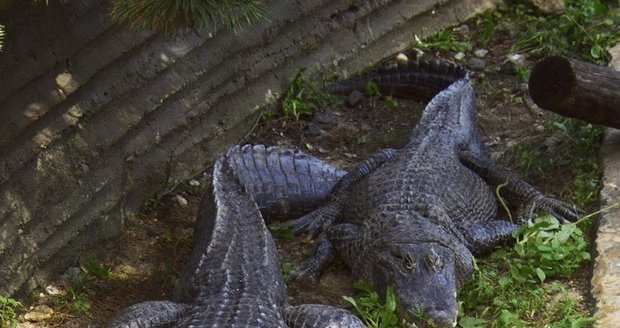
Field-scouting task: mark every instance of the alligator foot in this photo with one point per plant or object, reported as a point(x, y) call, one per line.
point(561, 210)
point(313, 268)
point(315, 222)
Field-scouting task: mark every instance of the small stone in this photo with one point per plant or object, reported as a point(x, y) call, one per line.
point(615, 56)
point(511, 144)
point(194, 183)
point(462, 29)
point(480, 53)
point(313, 129)
point(354, 98)
point(181, 200)
point(549, 6)
point(324, 116)
point(71, 277)
point(39, 313)
point(349, 155)
point(459, 55)
point(539, 127)
point(402, 58)
point(478, 64)
point(129, 159)
point(517, 59)
point(54, 291)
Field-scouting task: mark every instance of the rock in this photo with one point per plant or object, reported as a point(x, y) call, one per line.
point(517, 59)
point(462, 29)
point(615, 57)
point(401, 58)
point(480, 53)
point(459, 56)
point(505, 29)
point(71, 277)
point(194, 183)
point(54, 290)
point(325, 116)
point(354, 98)
point(549, 6)
point(477, 64)
point(39, 313)
point(313, 129)
point(181, 200)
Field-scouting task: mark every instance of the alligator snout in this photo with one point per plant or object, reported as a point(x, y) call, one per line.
point(437, 318)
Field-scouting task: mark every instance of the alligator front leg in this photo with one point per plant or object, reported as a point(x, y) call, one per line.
point(152, 314)
point(530, 199)
point(320, 316)
point(323, 217)
point(483, 236)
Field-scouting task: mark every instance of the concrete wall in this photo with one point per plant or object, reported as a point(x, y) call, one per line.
point(96, 117)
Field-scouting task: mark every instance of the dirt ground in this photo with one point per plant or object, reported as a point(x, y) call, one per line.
point(146, 259)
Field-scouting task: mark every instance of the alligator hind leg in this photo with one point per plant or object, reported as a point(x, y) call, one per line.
point(152, 314)
point(530, 199)
point(313, 268)
point(483, 236)
point(320, 316)
point(323, 217)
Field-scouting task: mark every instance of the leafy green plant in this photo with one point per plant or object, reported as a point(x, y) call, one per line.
point(171, 14)
point(8, 311)
point(371, 90)
point(374, 313)
point(82, 289)
point(510, 288)
point(586, 29)
point(445, 40)
point(303, 98)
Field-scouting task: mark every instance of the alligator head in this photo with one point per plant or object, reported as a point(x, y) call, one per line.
point(425, 265)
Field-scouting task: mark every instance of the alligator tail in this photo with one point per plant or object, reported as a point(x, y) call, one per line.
point(420, 81)
point(284, 183)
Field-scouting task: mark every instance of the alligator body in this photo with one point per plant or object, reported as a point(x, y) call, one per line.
point(413, 218)
point(233, 277)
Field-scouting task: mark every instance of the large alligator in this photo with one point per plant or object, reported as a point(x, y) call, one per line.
point(233, 277)
point(412, 218)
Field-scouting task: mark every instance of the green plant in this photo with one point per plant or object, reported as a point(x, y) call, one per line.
point(510, 288)
point(303, 98)
point(374, 313)
point(97, 270)
point(8, 311)
point(586, 29)
point(445, 40)
point(171, 14)
point(371, 90)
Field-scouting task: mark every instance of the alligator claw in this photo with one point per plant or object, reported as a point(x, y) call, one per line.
point(315, 222)
point(563, 211)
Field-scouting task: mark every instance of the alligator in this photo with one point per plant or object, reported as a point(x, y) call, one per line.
point(233, 276)
point(414, 218)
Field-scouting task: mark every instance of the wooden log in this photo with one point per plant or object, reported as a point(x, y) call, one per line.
point(577, 89)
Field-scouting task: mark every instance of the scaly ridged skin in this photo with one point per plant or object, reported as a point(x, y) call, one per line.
point(233, 276)
point(420, 81)
point(412, 218)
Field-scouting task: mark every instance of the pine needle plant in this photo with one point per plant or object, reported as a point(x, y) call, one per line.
point(168, 15)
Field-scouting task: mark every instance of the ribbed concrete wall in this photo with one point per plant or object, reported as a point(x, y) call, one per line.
point(95, 118)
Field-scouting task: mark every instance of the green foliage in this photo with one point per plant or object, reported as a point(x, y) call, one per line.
point(168, 15)
point(173, 242)
point(8, 311)
point(445, 40)
point(510, 287)
point(281, 232)
point(84, 288)
point(586, 29)
point(303, 98)
point(371, 90)
point(371, 310)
